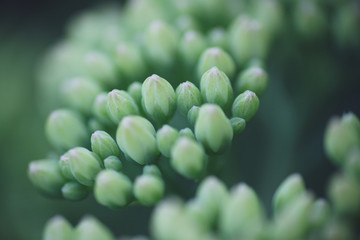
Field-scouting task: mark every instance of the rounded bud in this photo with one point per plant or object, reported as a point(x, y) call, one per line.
point(188, 96)
point(151, 170)
point(65, 167)
point(136, 138)
point(104, 145)
point(218, 37)
point(74, 191)
point(158, 99)
point(216, 57)
point(113, 189)
point(95, 125)
point(216, 88)
point(91, 229)
point(245, 105)
point(187, 132)
point(352, 164)
point(254, 79)
point(58, 228)
point(46, 176)
point(80, 93)
point(165, 139)
point(186, 23)
point(191, 46)
point(99, 108)
point(65, 129)
point(120, 104)
point(148, 189)
point(319, 213)
point(213, 129)
point(113, 163)
point(188, 158)
point(238, 124)
point(193, 114)
point(134, 90)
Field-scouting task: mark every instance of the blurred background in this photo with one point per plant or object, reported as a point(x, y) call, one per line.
point(310, 81)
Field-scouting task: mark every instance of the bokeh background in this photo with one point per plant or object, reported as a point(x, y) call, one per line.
point(310, 81)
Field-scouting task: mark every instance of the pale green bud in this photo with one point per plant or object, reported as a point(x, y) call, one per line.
point(104, 145)
point(99, 108)
point(65, 167)
point(191, 46)
point(352, 164)
point(213, 129)
point(74, 191)
point(188, 96)
point(149, 189)
point(216, 57)
point(289, 190)
point(238, 124)
point(58, 228)
point(165, 139)
point(158, 99)
point(80, 93)
point(46, 176)
point(65, 129)
point(186, 23)
point(186, 132)
point(136, 138)
point(270, 13)
point(217, 37)
point(254, 79)
point(193, 114)
point(245, 105)
point(135, 92)
point(151, 170)
point(91, 229)
point(188, 158)
point(113, 163)
point(94, 125)
point(319, 213)
point(112, 189)
point(84, 165)
point(198, 214)
point(120, 104)
point(242, 216)
point(100, 68)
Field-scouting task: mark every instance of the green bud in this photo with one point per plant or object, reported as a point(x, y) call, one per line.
point(84, 165)
point(319, 213)
point(80, 93)
point(245, 105)
point(254, 79)
point(74, 191)
point(186, 132)
point(291, 188)
point(65, 129)
point(91, 229)
point(213, 129)
point(216, 88)
point(135, 92)
point(65, 167)
point(100, 68)
point(58, 228)
point(216, 57)
point(218, 37)
point(158, 99)
point(352, 164)
point(242, 216)
point(193, 114)
point(165, 139)
point(151, 170)
point(191, 46)
point(99, 108)
point(148, 189)
point(104, 145)
point(238, 124)
point(46, 176)
point(112, 189)
point(113, 163)
point(198, 214)
point(136, 138)
point(186, 23)
point(188, 158)
point(188, 96)
point(94, 125)
point(120, 104)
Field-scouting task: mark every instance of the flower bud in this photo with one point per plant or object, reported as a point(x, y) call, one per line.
point(113, 163)
point(65, 129)
point(74, 191)
point(91, 229)
point(191, 46)
point(158, 99)
point(197, 213)
point(213, 129)
point(193, 114)
point(186, 23)
point(46, 176)
point(94, 125)
point(151, 170)
point(136, 138)
point(216, 57)
point(188, 158)
point(84, 165)
point(319, 213)
point(254, 79)
point(352, 164)
point(135, 92)
point(165, 139)
point(238, 124)
point(218, 37)
point(65, 167)
point(113, 189)
point(120, 104)
point(216, 88)
point(242, 216)
point(80, 93)
point(291, 188)
point(148, 189)
point(99, 108)
point(58, 228)
point(186, 132)
point(104, 145)
point(188, 95)
point(245, 105)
